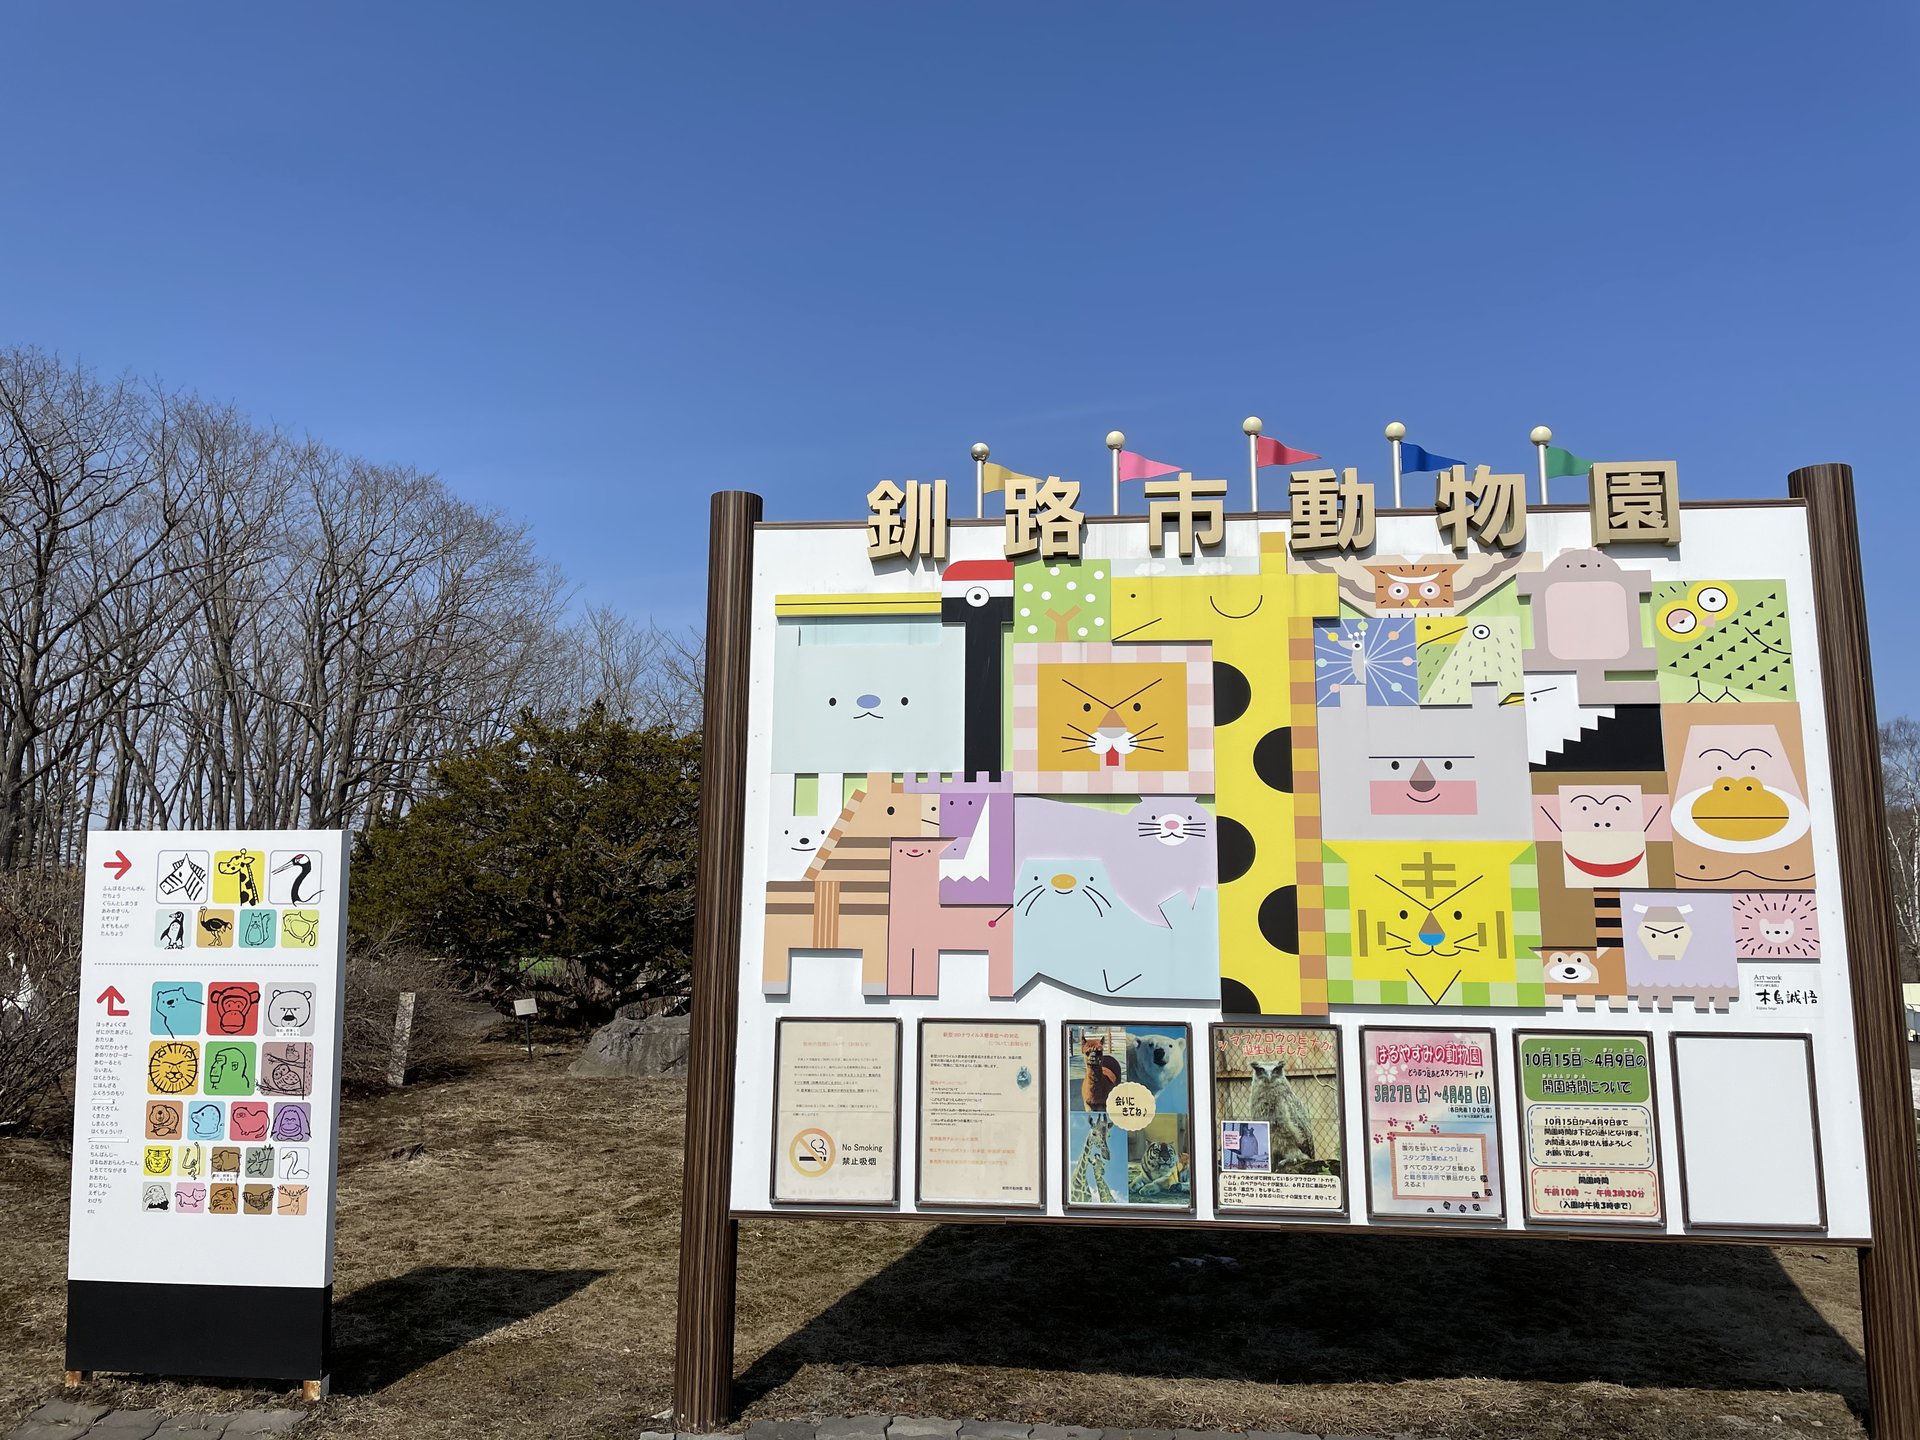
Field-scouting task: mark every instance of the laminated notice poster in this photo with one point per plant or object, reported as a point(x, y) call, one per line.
point(1276, 1108)
point(1433, 1125)
point(836, 1128)
point(980, 1112)
point(1587, 1125)
point(1129, 1116)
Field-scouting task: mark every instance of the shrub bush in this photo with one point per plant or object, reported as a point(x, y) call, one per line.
point(39, 998)
point(378, 974)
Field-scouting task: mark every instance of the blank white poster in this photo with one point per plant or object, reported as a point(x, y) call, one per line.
point(1749, 1145)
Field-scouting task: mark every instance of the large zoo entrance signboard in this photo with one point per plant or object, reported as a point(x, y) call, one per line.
point(205, 1101)
point(1282, 871)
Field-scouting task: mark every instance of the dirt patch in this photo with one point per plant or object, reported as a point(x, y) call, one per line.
point(507, 1262)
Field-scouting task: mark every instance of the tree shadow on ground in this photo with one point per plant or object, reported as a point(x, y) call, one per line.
point(1324, 1309)
point(385, 1331)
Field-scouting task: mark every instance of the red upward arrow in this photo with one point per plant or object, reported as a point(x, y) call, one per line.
point(119, 865)
point(115, 1002)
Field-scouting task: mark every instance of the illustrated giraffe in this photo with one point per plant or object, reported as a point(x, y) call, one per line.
point(841, 902)
point(1266, 764)
point(1092, 1162)
point(242, 865)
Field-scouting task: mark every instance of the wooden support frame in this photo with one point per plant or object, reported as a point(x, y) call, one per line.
point(1890, 1267)
point(709, 1236)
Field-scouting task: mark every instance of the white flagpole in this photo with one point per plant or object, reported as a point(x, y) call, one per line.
point(1252, 427)
point(1540, 436)
point(1396, 432)
point(1114, 441)
point(980, 453)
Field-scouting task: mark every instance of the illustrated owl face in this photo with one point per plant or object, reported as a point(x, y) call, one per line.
point(1702, 608)
point(1412, 587)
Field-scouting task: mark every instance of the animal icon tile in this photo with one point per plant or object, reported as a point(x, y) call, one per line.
point(1110, 719)
point(1723, 641)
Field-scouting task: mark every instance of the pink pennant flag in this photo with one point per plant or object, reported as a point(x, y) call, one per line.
point(1139, 467)
point(1272, 452)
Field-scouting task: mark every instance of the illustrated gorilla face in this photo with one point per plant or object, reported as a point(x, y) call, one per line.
point(1740, 816)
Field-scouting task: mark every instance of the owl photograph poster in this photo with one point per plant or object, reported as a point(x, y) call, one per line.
point(1276, 1106)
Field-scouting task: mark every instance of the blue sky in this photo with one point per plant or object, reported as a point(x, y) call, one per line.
point(589, 262)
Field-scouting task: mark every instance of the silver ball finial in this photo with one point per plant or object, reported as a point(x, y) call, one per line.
point(1251, 425)
point(979, 451)
point(1396, 431)
point(1540, 435)
point(1115, 439)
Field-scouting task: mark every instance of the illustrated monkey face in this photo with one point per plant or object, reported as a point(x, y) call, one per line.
point(1603, 830)
point(231, 1008)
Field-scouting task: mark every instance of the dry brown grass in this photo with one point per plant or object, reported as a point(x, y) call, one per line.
point(516, 1277)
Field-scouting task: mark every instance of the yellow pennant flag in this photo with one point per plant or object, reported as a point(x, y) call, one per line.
point(995, 477)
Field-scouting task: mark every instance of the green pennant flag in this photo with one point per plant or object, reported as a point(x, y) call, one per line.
point(1565, 462)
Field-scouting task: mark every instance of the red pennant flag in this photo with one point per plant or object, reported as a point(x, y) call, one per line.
point(1139, 467)
point(1272, 452)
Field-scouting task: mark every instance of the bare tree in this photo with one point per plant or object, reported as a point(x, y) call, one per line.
point(86, 513)
point(1900, 772)
point(643, 674)
point(206, 623)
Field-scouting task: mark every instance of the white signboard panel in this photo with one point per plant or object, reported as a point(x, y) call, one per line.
point(208, 1075)
point(1661, 915)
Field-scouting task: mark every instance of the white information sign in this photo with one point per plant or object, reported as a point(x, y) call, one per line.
point(208, 1076)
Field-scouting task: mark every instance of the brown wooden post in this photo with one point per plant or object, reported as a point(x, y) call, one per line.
point(1890, 1270)
point(709, 1237)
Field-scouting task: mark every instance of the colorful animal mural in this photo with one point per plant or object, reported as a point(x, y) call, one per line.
point(1283, 785)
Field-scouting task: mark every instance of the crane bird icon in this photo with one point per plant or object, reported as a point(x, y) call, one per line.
point(303, 886)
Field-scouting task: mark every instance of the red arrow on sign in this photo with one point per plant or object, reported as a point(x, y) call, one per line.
point(115, 1002)
point(119, 865)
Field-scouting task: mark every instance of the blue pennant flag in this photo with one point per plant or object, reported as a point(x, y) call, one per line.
point(1415, 461)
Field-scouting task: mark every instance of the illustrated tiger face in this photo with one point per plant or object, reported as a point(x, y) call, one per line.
point(1402, 586)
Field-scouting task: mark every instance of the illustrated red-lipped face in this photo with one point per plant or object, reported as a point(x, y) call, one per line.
point(1603, 829)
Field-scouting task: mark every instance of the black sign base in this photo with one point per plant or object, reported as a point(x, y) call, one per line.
point(262, 1332)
